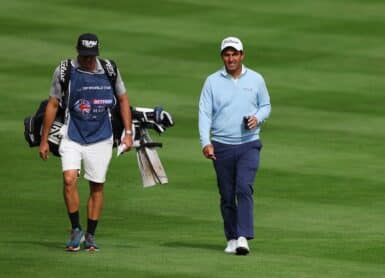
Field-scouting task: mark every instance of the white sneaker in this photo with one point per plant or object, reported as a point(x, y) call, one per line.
point(231, 246)
point(242, 246)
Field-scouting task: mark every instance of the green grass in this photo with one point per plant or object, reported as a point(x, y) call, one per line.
point(319, 194)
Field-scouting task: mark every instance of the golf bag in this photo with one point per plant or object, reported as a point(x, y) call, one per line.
point(33, 128)
point(142, 119)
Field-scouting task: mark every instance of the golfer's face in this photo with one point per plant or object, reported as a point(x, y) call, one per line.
point(87, 63)
point(232, 60)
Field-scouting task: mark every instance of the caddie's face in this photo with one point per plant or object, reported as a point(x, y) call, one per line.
point(87, 63)
point(232, 59)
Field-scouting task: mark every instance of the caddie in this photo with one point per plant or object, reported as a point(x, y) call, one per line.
point(87, 133)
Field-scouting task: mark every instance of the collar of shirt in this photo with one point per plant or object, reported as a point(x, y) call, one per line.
point(224, 73)
point(99, 68)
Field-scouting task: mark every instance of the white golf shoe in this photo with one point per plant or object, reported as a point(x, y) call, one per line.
point(231, 246)
point(242, 246)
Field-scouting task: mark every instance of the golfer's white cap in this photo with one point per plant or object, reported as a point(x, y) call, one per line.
point(232, 42)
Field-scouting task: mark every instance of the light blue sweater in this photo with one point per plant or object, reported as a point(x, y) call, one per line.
point(225, 101)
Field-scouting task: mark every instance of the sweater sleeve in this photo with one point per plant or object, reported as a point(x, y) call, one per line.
point(205, 113)
point(264, 106)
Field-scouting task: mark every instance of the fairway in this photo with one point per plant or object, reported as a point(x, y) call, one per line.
point(319, 193)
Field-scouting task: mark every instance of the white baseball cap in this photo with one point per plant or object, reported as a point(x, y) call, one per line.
point(232, 42)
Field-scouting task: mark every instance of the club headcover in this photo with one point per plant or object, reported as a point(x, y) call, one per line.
point(166, 119)
point(157, 127)
point(157, 114)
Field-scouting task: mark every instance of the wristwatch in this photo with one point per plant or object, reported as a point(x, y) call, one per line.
point(128, 132)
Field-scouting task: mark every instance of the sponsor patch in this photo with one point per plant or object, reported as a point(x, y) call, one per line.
point(102, 101)
point(83, 106)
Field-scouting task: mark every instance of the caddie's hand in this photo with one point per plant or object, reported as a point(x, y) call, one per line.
point(252, 122)
point(127, 140)
point(44, 150)
point(208, 152)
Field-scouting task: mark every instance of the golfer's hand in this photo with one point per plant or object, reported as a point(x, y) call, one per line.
point(44, 150)
point(252, 122)
point(208, 152)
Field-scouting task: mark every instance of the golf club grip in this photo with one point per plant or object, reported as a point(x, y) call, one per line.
point(152, 145)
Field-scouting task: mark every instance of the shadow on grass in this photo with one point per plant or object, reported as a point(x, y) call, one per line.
point(179, 244)
point(56, 245)
point(48, 244)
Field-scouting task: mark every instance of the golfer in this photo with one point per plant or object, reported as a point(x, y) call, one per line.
point(87, 134)
point(234, 103)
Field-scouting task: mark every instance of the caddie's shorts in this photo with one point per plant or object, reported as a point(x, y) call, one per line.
point(96, 158)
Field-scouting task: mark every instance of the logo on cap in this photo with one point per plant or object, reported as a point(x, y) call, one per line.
point(89, 44)
point(230, 41)
point(233, 42)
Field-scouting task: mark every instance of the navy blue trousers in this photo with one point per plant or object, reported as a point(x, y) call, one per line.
point(236, 167)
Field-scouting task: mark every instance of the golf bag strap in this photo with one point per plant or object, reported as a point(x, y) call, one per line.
point(110, 69)
point(64, 75)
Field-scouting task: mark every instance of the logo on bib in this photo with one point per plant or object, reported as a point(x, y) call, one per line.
point(82, 106)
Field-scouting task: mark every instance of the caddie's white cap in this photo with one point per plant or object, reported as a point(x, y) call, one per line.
point(232, 42)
